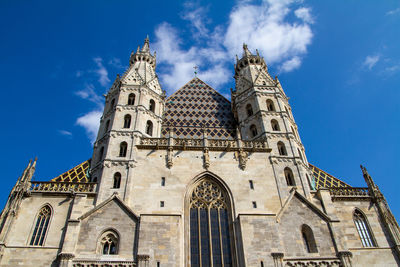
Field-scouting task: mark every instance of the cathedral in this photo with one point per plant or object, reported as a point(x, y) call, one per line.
point(193, 179)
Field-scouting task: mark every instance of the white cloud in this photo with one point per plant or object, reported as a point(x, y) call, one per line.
point(197, 18)
point(394, 11)
point(101, 71)
point(90, 94)
point(291, 64)
point(304, 14)
point(64, 132)
point(370, 61)
point(266, 26)
point(91, 121)
point(116, 63)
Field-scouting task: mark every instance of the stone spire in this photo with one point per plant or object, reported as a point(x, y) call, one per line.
point(144, 54)
point(246, 51)
point(146, 46)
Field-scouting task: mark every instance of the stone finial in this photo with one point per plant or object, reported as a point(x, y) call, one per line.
point(246, 51)
point(146, 46)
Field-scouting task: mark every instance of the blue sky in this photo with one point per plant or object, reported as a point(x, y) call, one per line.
point(338, 61)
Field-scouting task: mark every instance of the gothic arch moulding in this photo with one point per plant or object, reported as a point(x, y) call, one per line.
point(209, 222)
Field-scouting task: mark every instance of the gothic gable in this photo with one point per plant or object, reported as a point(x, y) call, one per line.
point(111, 215)
point(197, 107)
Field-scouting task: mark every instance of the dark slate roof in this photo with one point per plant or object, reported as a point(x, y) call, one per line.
point(197, 105)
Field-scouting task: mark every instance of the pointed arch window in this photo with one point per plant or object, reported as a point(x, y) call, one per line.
point(107, 126)
point(270, 105)
point(123, 147)
point(249, 110)
point(41, 226)
point(112, 104)
point(109, 242)
point(101, 153)
point(308, 239)
point(282, 149)
point(363, 229)
point(152, 105)
point(289, 177)
point(149, 128)
point(275, 125)
point(117, 180)
point(127, 121)
point(253, 130)
point(131, 99)
point(210, 233)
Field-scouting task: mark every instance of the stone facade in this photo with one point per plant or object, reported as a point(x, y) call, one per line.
point(196, 180)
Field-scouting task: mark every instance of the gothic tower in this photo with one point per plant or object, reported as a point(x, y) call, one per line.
point(262, 111)
point(133, 108)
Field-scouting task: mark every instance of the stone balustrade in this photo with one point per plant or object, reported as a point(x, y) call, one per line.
point(200, 144)
point(340, 192)
point(90, 263)
point(63, 187)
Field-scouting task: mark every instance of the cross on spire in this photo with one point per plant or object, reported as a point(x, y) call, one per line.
point(195, 70)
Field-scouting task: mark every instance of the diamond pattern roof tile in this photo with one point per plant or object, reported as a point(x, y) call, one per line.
point(197, 105)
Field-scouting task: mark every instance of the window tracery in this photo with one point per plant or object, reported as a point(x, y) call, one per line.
point(210, 237)
point(109, 243)
point(363, 230)
point(41, 227)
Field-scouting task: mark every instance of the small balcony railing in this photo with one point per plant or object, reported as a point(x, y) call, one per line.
point(63, 187)
point(349, 191)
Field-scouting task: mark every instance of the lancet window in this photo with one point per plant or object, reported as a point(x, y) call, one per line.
point(210, 235)
point(249, 110)
point(127, 121)
point(41, 226)
point(363, 230)
point(308, 239)
point(152, 105)
point(131, 99)
point(149, 128)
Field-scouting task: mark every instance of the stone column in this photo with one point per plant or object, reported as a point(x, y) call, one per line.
point(278, 259)
point(345, 258)
point(143, 260)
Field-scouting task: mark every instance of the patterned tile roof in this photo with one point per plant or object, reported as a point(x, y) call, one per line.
point(323, 179)
point(78, 174)
point(197, 105)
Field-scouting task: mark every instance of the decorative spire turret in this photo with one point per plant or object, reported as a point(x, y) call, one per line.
point(249, 59)
point(144, 54)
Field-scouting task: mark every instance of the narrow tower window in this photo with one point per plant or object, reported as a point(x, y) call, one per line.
point(363, 230)
point(251, 184)
point(253, 130)
point(282, 149)
point(270, 105)
point(308, 239)
point(117, 180)
point(109, 243)
point(162, 181)
point(152, 105)
point(101, 153)
point(41, 227)
point(131, 99)
point(254, 204)
point(249, 110)
point(300, 155)
point(112, 104)
point(123, 147)
point(107, 126)
point(127, 121)
point(289, 177)
point(149, 128)
point(275, 125)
